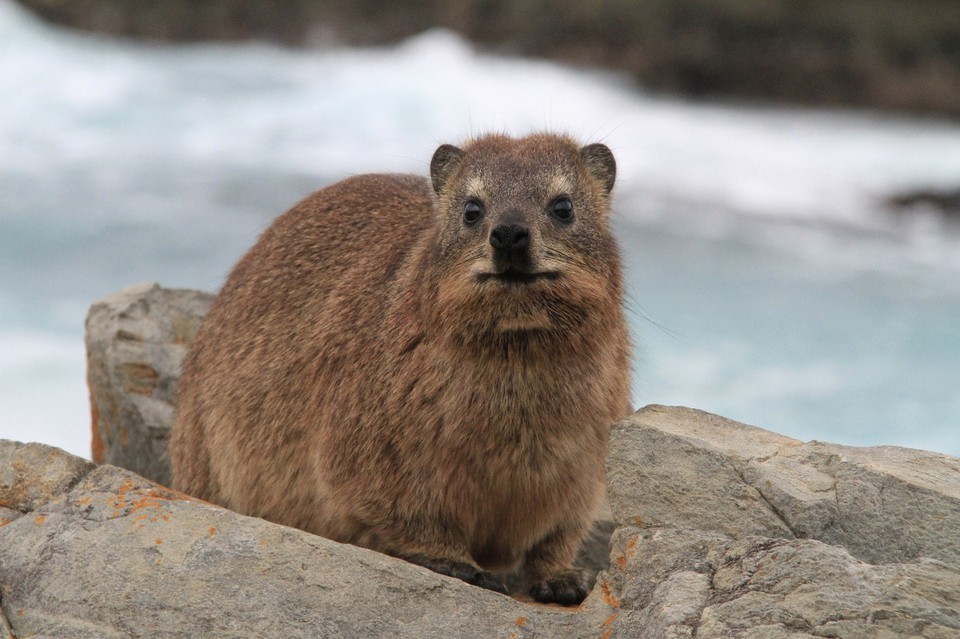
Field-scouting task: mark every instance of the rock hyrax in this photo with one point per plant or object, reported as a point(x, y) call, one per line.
point(424, 368)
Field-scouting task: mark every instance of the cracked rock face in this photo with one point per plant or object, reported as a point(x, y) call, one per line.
point(731, 531)
point(670, 582)
point(683, 467)
point(723, 530)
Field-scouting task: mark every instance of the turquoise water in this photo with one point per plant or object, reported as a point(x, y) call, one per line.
point(858, 356)
point(766, 281)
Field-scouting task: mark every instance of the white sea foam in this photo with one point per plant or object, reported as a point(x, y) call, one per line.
point(77, 99)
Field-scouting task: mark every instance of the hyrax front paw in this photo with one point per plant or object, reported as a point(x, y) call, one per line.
point(461, 570)
point(486, 580)
point(566, 589)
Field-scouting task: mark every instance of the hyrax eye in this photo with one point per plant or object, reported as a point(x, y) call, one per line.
point(472, 212)
point(562, 209)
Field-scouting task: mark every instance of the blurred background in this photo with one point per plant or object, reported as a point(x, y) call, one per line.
point(788, 196)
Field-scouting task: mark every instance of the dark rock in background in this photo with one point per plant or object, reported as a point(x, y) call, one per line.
point(886, 54)
point(942, 201)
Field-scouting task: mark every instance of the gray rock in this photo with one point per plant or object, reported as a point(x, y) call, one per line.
point(883, 504)
point(97, 551)
point(685, 468)
point(657, 477)
point(111, 554)
point(136, 340)
point(671, 582)
point(33, 474)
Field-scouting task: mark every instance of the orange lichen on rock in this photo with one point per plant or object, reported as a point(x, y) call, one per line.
point(608, 596)
point(608, 624)
point(630, 552)
point(39, 519)
point(130, 499)
point(212, 531)
point(521, 621)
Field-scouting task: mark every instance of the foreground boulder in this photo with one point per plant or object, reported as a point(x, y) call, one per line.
point(731, 531)
point(674, 582)
point(685, 468)
point(724, 530)
point(97, 551)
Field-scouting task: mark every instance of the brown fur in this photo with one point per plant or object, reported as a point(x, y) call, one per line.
point(360, 377)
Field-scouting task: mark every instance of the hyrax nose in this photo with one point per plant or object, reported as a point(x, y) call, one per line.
point(510, 238)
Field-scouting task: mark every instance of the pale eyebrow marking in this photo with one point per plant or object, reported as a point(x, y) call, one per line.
point(559, 184)
point(475, 188)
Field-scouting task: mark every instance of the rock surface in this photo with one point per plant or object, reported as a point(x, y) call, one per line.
point(100, 552)
point(136, 340)
point(97, 551)
point(675, 582)
point(678, 466)
point(732, 531)
point(725, 530)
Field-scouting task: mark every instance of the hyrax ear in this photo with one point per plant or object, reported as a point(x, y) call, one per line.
point(445, 161)
point(599, 161)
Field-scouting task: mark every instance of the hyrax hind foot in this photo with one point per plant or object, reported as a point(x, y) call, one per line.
point(567, 589)
point(461, 570)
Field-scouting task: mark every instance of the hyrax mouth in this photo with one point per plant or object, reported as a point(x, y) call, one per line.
point(518, 277)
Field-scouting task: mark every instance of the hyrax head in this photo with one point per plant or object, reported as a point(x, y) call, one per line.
point(523, 227)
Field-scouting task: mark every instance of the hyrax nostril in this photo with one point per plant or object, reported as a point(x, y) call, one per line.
point(510, 237)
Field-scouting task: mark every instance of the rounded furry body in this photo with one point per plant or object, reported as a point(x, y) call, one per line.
point(375, 371)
